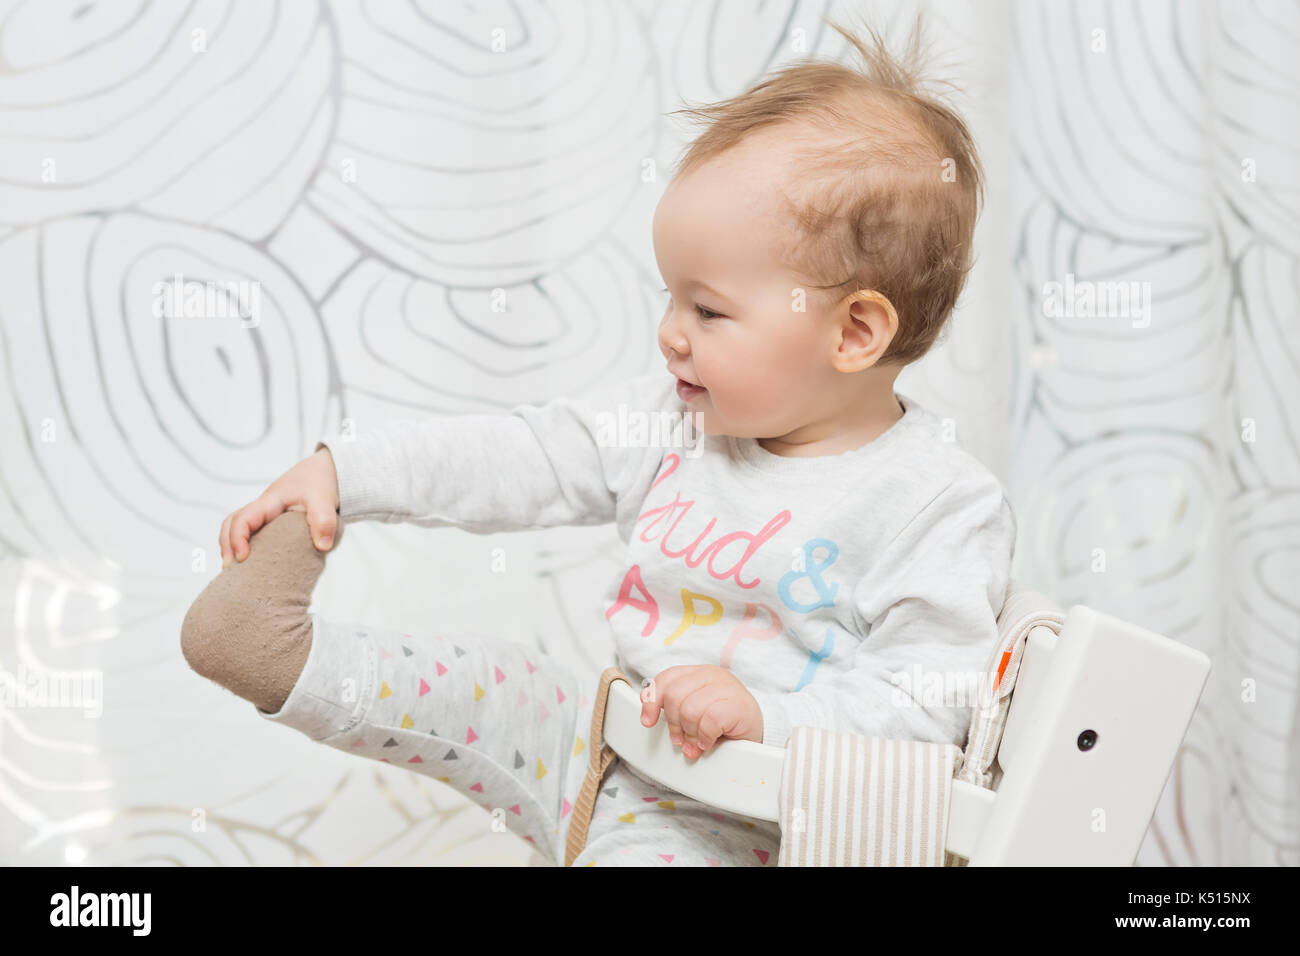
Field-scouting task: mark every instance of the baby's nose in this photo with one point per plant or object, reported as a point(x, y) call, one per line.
point(670, 339)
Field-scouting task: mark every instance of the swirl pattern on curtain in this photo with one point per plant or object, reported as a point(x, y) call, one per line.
point(406, 209)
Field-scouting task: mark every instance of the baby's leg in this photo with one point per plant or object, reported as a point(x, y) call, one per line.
point(637, 822)
point(497, 721)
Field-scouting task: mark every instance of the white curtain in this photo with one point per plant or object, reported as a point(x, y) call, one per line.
point(442, 208)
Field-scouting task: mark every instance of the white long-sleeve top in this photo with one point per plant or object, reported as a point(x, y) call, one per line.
point(857, 592)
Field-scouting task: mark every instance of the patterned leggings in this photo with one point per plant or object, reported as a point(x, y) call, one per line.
point(503, 724)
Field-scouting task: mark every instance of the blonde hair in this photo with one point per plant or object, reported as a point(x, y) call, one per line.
point(891, 203)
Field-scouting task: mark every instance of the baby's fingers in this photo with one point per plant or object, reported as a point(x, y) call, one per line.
point(249, 520)
point(713, 724)
point(675, 733)
point(649, 703)
point(706, 715)
point(223, 539)
point(672, 687)
point(659, 692)
point(323, 523)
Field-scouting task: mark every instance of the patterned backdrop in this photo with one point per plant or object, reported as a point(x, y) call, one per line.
point(363, 184)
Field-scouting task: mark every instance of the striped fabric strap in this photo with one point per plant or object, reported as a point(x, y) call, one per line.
point(853, 800)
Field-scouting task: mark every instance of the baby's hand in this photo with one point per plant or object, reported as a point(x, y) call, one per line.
point(312, 486)
point(701, 703)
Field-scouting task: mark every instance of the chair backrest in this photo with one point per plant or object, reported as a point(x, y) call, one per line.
point(1096, 719)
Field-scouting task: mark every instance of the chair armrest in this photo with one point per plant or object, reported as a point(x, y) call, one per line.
point(736, 776)
point(742, 777)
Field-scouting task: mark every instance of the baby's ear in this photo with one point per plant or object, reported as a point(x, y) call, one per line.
point(867, 324)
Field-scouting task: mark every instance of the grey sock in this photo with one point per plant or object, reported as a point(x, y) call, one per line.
point(249, 630)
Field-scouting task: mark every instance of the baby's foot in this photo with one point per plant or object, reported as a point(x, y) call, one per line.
point(249, 629)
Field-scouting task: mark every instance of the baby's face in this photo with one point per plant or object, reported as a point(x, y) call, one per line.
point(730, 324)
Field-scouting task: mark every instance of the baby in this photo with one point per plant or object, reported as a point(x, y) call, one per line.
point(826, 554)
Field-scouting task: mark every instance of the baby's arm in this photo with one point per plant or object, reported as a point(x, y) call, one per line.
point(536, 466)
point(929, 607)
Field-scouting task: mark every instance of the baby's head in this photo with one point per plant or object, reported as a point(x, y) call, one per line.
point(814, 241)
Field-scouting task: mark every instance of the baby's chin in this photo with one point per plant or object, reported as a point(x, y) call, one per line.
point(705, 421)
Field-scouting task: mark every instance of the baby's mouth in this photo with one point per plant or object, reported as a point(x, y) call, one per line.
point(687, 391)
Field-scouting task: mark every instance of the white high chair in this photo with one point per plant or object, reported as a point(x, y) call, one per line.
point(1097, 714)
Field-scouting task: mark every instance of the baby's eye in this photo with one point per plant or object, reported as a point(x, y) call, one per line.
point(701, 311)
